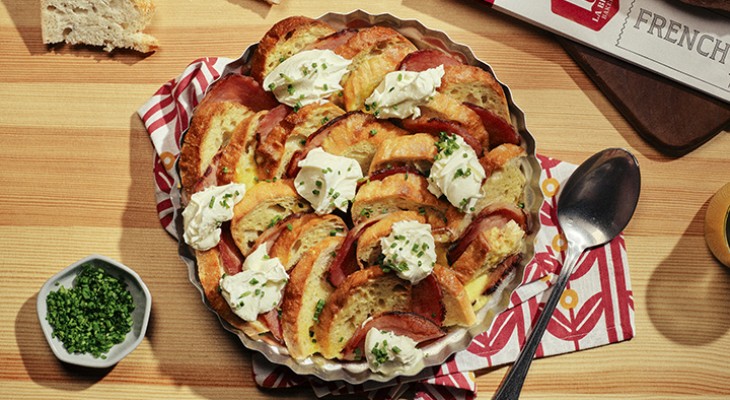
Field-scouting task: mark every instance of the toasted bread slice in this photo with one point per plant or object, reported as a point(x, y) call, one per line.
point(356, 135)
point(401, 191)
point(288, 36)
point(374, 52)
point(489, 249)
point(448, 108)
point(237, 162)
point(210, 271)
point(363, 294)
point(368, 245)
point(211, 128)
point(455, 298)
point(305, 296)
point(304, 233)
point(506, 181)
point(416, 150)
point(263, 206)
point(275, 150)
point(467, 83)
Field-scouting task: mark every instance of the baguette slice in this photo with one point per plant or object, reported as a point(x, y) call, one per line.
point(363, 294)
point(237, 162)
point(275, 150)
point(455, 298)
point(404, 191)
point(467, 83)
point(287, 37)
point(304, 233)
point(210, 271)
point(212, 127)
point(445, 107)
point(416, 150)
point(368, 245)
point(116, 24)
point(303, 298)
point(263, 206)
point(505, 181)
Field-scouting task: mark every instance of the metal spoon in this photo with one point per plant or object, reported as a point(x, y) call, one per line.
point(595, 205)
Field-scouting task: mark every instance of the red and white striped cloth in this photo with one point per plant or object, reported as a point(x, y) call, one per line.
point(596, 309)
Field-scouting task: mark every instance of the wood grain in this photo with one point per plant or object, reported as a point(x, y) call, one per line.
point(76, 179)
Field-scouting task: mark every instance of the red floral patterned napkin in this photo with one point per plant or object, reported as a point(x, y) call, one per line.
point(596, 309)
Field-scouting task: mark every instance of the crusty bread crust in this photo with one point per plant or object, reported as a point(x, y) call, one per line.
point(368, 245)
point(237, 162)
point(263, 206)
point(112, 25)
point(416, 150)
point(363, 294)
point(304, 233)
point(447, 108)
point(210, 272)
point(357, 135)
point(284, 39)
point(467, 83)
point(505, 181)
point(211, 128)
point(458, 306)
point(307, 286)
point(274, 152)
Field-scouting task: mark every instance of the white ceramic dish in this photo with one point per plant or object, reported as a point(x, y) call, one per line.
point(140, 316)
point(457, 339)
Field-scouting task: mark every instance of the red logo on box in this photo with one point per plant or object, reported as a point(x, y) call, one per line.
point(593, 14)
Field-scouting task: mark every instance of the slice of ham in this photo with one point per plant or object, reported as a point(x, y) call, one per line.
point(427, 300)
point(272, 320)
point(487, 219)
point(408, 324)
point(271, 120)
point(241, 89)
point(422, 60)
point(500, 131)
point(210, 176)
point(345, 262)
point(333, 41)
point(381, 174)
point(434, 126)
point(231, 257)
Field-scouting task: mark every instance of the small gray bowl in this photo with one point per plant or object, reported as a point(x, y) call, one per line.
point(140, 315)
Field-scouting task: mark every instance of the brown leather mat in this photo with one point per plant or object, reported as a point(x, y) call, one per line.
point(673, 118)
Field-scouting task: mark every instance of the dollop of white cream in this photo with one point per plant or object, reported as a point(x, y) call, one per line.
point(400, 93)
point(307, 77)
point(257, 289)
point(206, 211)
point(327, 181)
point(457, 173)
point(389, 353)
point(409, 250)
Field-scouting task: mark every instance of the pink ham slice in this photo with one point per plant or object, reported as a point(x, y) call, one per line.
point(435, 126)
point(241, 89)
point(272, 320)
point(313, 141)
point(487, 219)
point(422, 60)
point(500, 131)
point(270, 121)
point(333, 41)
point(231, 257)
point(427, 300)
point(408, 324)
point(345, 262)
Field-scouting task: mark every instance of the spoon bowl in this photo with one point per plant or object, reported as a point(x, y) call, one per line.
point(595, 205)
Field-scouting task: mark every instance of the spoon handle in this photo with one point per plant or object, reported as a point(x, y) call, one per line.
point(512, 383)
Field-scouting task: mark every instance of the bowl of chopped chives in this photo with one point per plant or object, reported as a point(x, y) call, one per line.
point(94, 312)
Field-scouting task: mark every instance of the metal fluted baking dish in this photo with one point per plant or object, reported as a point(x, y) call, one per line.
point(457, 339)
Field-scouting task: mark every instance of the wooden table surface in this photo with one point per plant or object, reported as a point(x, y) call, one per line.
point(75, 167)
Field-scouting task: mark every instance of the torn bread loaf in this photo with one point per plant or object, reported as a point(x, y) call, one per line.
point(112, 24)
